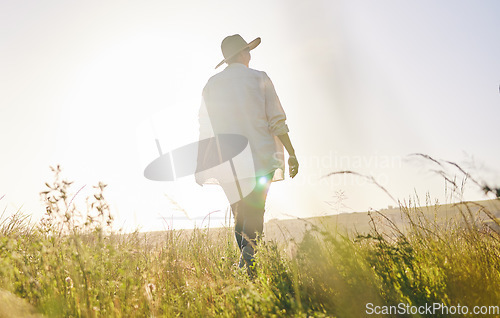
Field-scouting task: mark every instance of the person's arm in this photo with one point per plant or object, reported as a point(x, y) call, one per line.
point(293, 164)
point(276, 119)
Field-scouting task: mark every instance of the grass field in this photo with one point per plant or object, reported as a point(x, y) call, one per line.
point(72, 265)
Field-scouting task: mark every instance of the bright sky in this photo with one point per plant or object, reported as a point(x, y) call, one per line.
point(89, 85)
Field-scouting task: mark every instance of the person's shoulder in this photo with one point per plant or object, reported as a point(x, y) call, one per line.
point(216, 76)
point(213, 79)
point(236, 72)
point(257, 72)
point(261, 75)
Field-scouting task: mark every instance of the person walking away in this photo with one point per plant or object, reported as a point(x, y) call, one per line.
point(240, 101)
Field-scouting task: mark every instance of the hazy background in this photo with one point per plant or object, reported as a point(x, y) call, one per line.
point(89, 85)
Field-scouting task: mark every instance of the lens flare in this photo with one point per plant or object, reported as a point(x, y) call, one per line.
point(262, 180)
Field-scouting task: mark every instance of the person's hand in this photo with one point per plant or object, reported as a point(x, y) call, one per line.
point(293, 166)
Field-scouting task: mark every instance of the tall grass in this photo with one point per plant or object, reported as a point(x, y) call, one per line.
point(72, 264)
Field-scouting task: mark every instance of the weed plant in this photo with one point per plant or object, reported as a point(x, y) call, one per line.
point(72, 264)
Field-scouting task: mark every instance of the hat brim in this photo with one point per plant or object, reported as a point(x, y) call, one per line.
point(252, 45)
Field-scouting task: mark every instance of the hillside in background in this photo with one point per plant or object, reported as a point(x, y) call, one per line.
point(359, 222)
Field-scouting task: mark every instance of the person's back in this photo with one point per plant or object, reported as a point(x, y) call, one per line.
point(241, 100)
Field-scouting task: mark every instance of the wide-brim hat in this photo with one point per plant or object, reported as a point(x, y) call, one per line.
point(234, 44)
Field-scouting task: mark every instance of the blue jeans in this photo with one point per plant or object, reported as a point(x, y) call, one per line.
point(249, 213)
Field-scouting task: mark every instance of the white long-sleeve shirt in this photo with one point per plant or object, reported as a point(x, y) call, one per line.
point(240, 100)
